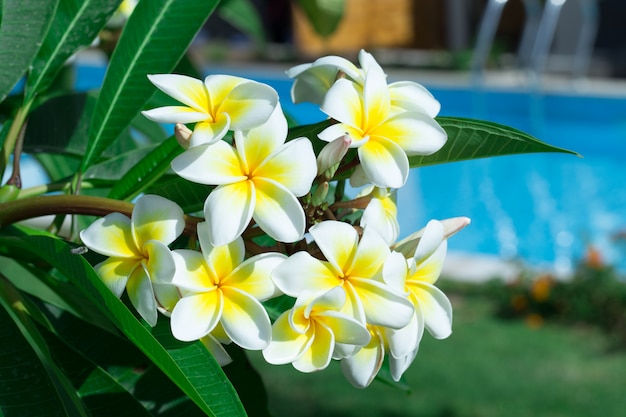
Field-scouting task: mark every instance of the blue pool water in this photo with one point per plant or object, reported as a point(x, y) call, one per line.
point(543, 209)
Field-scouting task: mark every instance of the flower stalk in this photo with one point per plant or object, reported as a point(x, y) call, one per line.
point(24, 209)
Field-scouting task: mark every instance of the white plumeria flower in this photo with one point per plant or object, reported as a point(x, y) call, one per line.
point(259, 178)
point(218, 286)
point(216, 105)
point(139, 257)
point(307, 334)
point(351, 264)
point(381, 213)
point(313, 80)
point(384, 138)
point(416, 278)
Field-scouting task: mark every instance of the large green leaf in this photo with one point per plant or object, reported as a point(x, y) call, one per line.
point(24, 24)
point(189, 365)
point(154, 39)
point(37, 383)
point(473, 139)
point(188, 195)
point(148, 170)
point(76, 24)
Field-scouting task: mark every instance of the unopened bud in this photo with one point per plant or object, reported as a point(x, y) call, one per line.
point(331, 155)
point(8, 193)
point(320, 194)
point(183, 135)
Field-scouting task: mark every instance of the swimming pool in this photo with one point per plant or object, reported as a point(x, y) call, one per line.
point(542, 209)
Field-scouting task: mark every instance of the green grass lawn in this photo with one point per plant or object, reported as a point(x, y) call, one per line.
point(488, 367)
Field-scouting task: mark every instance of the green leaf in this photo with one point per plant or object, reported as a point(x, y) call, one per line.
point(63, 394)
point(473, 139)
point(24, 24)
point(154, 39)
point(189, 365)
point(118, 166)
point(188, 195)
point(242, 15)
point(147, 171)
point(324, 15)
point(76, 24)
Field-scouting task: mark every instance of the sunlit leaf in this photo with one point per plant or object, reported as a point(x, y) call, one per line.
point(146, 171)
point(154, 39)
point(473, 139)
point(76, 24)
point(24, 24)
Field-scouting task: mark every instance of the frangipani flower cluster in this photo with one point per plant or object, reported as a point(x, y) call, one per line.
point(278, 224)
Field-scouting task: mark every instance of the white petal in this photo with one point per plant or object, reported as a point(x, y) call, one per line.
point(362, 367)
point(255, 145)
point(302, 272)
point(398, 366)
point(319, 353)
point(384, 162)
point(160, 262)
point(286, 345)
point(175, 114)
point(408, 245)
point(407, 339)
point(411, 96)
point(293, 166)
point(375, 217)
point(376, 103)
point(156, 218)
point(111, 235)
point(346, 329)
point(311, 83)
point(217, 350)
point(114, 273)
point(278, 212)
point(430, 241)
point(370, 255)
point(249, 105)
point(187, 90)
point(191, 272)
point(382, 306)
point(342, 64)
point(245, 320)
point(209, 164)
point(167, 296)
point(141, 295)
point(435, 308)
point(228, 211)
point(395, 272)
point(337, 241)
point(196, 315)
point(221, 260)
point(254, 276)
point(415, 133)
point(343, 103)
point(206, 133)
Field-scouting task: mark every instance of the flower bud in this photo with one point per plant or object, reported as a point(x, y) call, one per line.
point(331, 155)
point(183, 135)
point(320, 194)
point(8, 193)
